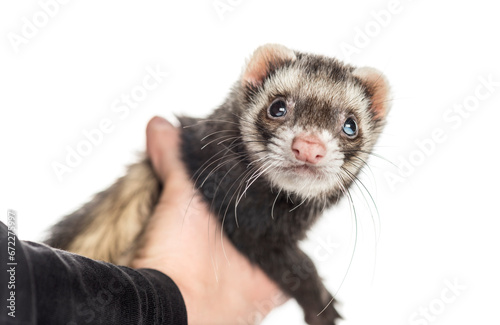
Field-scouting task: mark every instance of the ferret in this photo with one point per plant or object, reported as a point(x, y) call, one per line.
point(287, 143)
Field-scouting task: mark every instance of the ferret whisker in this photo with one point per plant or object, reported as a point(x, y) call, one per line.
point(348, 195)
point(237, 136)
point(238, 199)
point(236, 155)
point(220, 165)
point(340, 182)
point(274, 203)
point(222, 179)
point(379, 156)
point(257, 160)
point(238, 191)
point(254, 177)
point(211, 163)
point(208, 121)
point(260, 171)
point(213, 261)
point(217, 132)
point(226, 137)
point(365, 163)
point(225, 151)
point(225, 214)
point(295, 207)
point(370, 153)
point(212, 255)
point(229, 190)
point(184, 217)
point(356, 180)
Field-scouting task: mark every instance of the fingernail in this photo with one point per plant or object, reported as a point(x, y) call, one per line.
point(159, 121)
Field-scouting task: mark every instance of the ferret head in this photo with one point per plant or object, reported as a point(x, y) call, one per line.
point(309, 122)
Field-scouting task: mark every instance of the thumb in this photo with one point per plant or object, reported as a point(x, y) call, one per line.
point(162, 143)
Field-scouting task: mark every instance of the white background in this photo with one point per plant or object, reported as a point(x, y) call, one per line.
point(438, 224)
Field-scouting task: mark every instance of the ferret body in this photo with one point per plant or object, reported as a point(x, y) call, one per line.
point(287, 143)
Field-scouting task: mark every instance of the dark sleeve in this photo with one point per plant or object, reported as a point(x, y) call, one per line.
point(43, 285)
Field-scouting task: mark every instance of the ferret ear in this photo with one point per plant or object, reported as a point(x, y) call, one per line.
point(379, 89)
point(264, 59)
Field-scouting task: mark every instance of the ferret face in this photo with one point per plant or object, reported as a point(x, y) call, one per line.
point(310, 124)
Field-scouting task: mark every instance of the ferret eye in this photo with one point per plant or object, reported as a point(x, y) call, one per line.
point(277, 108)
point(350, 127)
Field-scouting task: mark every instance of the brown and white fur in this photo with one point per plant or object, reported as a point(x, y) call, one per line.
point(268, 161)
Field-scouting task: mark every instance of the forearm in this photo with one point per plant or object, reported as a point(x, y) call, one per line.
point(56, 287)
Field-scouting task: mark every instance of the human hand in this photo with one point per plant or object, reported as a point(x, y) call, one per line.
point(183, 240)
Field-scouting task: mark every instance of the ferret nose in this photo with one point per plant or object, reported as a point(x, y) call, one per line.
point(308, 149)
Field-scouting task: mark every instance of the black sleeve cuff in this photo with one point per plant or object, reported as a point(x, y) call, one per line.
point(173, 308)
point(57, 287)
